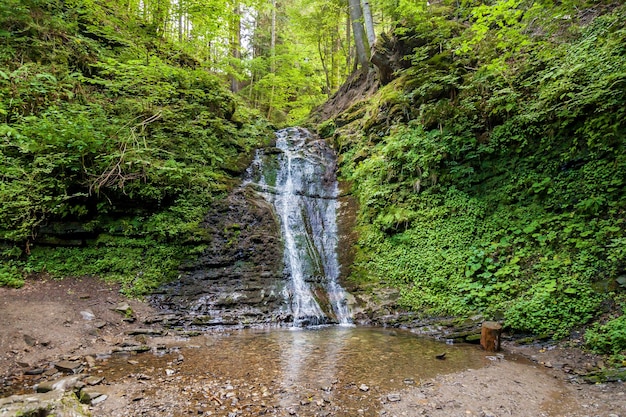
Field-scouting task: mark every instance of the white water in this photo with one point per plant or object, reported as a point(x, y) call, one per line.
point(303, 190)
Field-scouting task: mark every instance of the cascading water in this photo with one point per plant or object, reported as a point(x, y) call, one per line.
point(299, 181)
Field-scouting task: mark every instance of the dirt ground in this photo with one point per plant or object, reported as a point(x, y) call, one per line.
point(74, 319)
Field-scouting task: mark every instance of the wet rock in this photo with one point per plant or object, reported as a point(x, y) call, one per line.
point(69, 367)
point(62, 384)
point(89, 395)
point(238, 279)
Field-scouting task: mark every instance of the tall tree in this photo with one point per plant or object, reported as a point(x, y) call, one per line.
point(369, 22)
point(360, 39)
point(235, 44)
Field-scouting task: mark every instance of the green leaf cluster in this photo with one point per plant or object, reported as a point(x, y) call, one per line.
point(609, 337)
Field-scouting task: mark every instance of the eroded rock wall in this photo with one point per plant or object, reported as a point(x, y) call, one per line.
point(238, 279)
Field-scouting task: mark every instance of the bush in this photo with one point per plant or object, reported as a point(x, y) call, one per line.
point(609, 338)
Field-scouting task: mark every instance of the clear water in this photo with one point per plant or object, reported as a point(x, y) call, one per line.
point(311, 372)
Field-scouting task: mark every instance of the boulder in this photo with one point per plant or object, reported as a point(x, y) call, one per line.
point(54, 403)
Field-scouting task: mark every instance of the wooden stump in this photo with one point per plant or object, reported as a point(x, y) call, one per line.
point(490, 336)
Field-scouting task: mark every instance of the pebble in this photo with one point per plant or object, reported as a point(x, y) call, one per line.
point(394, 397)
point(99, 399)
point(29, 340)
point(364, 388)
point(87, 315)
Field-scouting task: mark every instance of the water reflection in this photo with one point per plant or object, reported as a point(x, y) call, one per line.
point(375, 357)
point(310, 359)
point(345, 371)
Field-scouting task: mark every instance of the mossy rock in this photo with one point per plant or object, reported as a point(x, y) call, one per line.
point(606, 375)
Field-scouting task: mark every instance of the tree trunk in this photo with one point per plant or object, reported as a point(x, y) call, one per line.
point(369, 22)
point(181, 17)
point(336, 75)
point(360, 39)
point(235, 44)
point(348, 43)
point(273, 38)
point(490, 336)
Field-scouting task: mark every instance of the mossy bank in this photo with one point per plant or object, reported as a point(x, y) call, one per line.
point(490, 169)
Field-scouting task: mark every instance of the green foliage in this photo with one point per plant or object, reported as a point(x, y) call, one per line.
point(553, 307)
point(140, 265)
point(288, 93)
point(102, 127)
point(11, 275)
point(609, 338)
point(491, 179)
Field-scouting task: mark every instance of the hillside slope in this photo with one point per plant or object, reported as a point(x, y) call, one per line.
point(490, 172)
point(113, 144)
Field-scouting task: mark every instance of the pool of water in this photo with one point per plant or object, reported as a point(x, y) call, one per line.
point(342, 371)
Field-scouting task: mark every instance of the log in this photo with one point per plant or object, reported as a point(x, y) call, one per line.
point(490, 336)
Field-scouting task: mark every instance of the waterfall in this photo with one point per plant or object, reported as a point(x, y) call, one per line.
point(298, 179)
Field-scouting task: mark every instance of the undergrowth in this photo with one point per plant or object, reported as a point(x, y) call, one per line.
point(490, 174)
point(103, 126)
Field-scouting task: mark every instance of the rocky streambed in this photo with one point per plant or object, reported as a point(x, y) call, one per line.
point(96, 356)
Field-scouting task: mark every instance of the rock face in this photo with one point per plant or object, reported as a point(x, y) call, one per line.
point(272, 254)
point(239, 278)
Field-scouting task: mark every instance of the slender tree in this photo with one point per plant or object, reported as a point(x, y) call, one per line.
point(369, 22)
point(235, 43)
point(360, 38)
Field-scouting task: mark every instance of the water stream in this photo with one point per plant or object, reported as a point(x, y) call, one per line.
point(299, 181)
